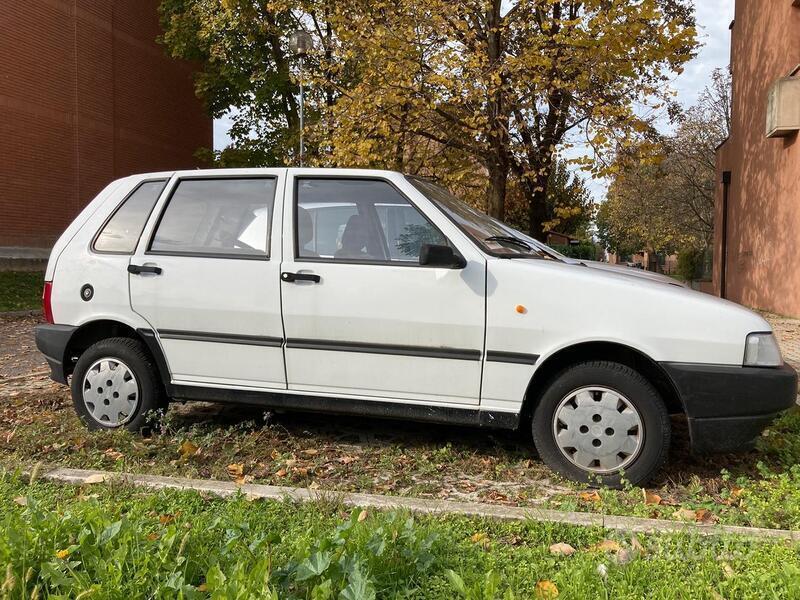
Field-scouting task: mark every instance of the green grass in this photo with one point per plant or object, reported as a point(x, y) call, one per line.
point(20, 290)
point(115, 541)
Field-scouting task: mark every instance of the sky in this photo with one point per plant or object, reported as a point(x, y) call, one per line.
point(713, 19)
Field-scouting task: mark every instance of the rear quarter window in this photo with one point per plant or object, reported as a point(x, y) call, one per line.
point(120, 234)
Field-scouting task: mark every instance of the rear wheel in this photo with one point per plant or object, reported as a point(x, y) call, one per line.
point(115, 384)
point(599, 422)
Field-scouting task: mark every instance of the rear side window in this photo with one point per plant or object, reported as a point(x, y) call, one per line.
point(217, 217)
point(121, 232)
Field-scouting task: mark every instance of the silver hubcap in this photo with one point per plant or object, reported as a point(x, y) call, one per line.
point(110, 392)
point(598, 429)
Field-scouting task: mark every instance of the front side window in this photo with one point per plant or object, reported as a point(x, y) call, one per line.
point(361, 220)
point(229, 217)
point(121, 232)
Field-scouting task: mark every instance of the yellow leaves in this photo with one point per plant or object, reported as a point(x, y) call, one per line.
point(236, 472)
point(481, 539)
point(92, 479)
point(113, 454)
point(188, 449)
point(362, 516)
point(545, 589)
point(701, 515)
point(62, 554)
point(592, 496)
point(608, 546)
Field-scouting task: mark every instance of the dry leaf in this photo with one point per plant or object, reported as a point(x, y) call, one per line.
point(113, 454)
point(593, 496)
point(346, 460)
point(310, 452)
point(280, 473)
point(97, 478)
point(705, 516)
point(481, 539)
point(546, 589)
point(362, 516)
point(152, 537)
point(562, 549)
point(302, 471)
point(187, 449)
point(313, 485)
point(62, 554)
point(685, 514)
point(202, 587)
point(728, 571)
point(21, 500)
point(166, 519)
point(235, 470)
point(275, 455)
point(650, 497)
point(606, 546)
point(623, 557)
point(637, 545)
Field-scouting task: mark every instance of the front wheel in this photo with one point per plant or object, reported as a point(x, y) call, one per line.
point(599, 422)
point(115, 385)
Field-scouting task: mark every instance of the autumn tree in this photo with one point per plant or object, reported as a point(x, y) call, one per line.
point(665, 201)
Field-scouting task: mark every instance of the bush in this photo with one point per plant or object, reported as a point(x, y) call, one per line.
point(582, 251)
point(690, 264)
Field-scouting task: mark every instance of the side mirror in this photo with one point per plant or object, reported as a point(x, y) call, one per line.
point(440, 256)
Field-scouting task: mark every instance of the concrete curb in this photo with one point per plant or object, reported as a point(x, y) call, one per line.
point(419, 505)
point(26, 376)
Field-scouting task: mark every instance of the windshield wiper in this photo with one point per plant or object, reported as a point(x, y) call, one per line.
point(509, 240)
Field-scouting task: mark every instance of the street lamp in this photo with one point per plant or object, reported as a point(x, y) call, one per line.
point(300, 43)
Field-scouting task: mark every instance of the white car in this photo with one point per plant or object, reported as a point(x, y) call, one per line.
point(368, 292)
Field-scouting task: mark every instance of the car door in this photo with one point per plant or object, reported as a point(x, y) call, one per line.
point(205, 278)
point(362, 317)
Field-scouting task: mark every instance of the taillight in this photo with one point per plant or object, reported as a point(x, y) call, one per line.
point(47, 306)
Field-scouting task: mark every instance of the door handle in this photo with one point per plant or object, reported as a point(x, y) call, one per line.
point(292, 277)
point(137, 269)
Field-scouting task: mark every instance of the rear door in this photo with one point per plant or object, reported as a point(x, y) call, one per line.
point(205, 275)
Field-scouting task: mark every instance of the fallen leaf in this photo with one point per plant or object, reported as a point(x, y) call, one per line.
point(606, 546)
point(280, 473)
point(481, 539)
point(62, 554)
point(650, 497)
point(593, 496)
point(313, 485)
point(623, 557)
point(113, 454)
point(346, 460)
point(202, 587)
point(685, 514)
point(562, 549)
point(21, 500)
point(362, 516)
point(728, 571)
point(97, 478)
point(736, 492)
point(275, 455)
point(166, 519)
point(302, 471)
point(637, 545)
point(546, 589)
point(152, 537)
point(705, 516)
point(187, 449)
point(235, 470)
point(310, 452)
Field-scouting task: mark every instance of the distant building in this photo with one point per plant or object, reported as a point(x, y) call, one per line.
point(86, 96)
point(757, 221)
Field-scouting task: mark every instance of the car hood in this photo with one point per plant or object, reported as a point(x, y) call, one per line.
point(631, 272)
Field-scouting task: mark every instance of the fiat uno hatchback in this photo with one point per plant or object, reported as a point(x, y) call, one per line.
point(374, 293)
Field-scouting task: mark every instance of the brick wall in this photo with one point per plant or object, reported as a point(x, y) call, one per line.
point(86, 96)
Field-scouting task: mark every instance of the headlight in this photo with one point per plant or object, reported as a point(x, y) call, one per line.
point(761, 350)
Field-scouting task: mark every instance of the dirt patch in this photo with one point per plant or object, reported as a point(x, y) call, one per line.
point(18, 352)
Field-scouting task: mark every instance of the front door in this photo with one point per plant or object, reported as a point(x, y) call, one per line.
point(362, 317)
point(206, 280)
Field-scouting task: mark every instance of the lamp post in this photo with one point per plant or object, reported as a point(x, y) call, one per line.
point(300, 42)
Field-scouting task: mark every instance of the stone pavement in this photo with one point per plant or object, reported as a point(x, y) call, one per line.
point(787, 330)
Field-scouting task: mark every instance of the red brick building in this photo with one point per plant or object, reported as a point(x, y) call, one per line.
point(757, 220)
point(86, 96)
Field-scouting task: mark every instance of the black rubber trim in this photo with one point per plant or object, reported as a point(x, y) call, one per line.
point(518, 358)
point(420, 351)
point(52, 341)
point(472, 417)
point(154, 347)
point(727, 434)
point(714, 391)
point(222, 338)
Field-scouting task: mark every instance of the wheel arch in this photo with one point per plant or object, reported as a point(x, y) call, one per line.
point(600, 350)
point(92, 332)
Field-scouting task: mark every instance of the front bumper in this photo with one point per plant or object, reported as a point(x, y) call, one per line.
point(52, 341)
point(728, 406)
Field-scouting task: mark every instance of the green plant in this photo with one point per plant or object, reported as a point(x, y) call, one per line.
point(690, 264)
point(584, 250)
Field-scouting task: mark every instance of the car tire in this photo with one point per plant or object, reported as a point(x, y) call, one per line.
point(602, 423)
point(115, 385)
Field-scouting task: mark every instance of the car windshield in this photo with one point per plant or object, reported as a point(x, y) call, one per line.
point(494, 237)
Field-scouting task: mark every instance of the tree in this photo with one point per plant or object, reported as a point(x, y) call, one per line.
point(504, 90)
point(471, 93)
point(665, 201)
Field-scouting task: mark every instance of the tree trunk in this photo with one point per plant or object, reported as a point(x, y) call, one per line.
point(496, 196)
point(536, 196)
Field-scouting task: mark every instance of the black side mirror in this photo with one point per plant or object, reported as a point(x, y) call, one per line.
point(432, 255)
